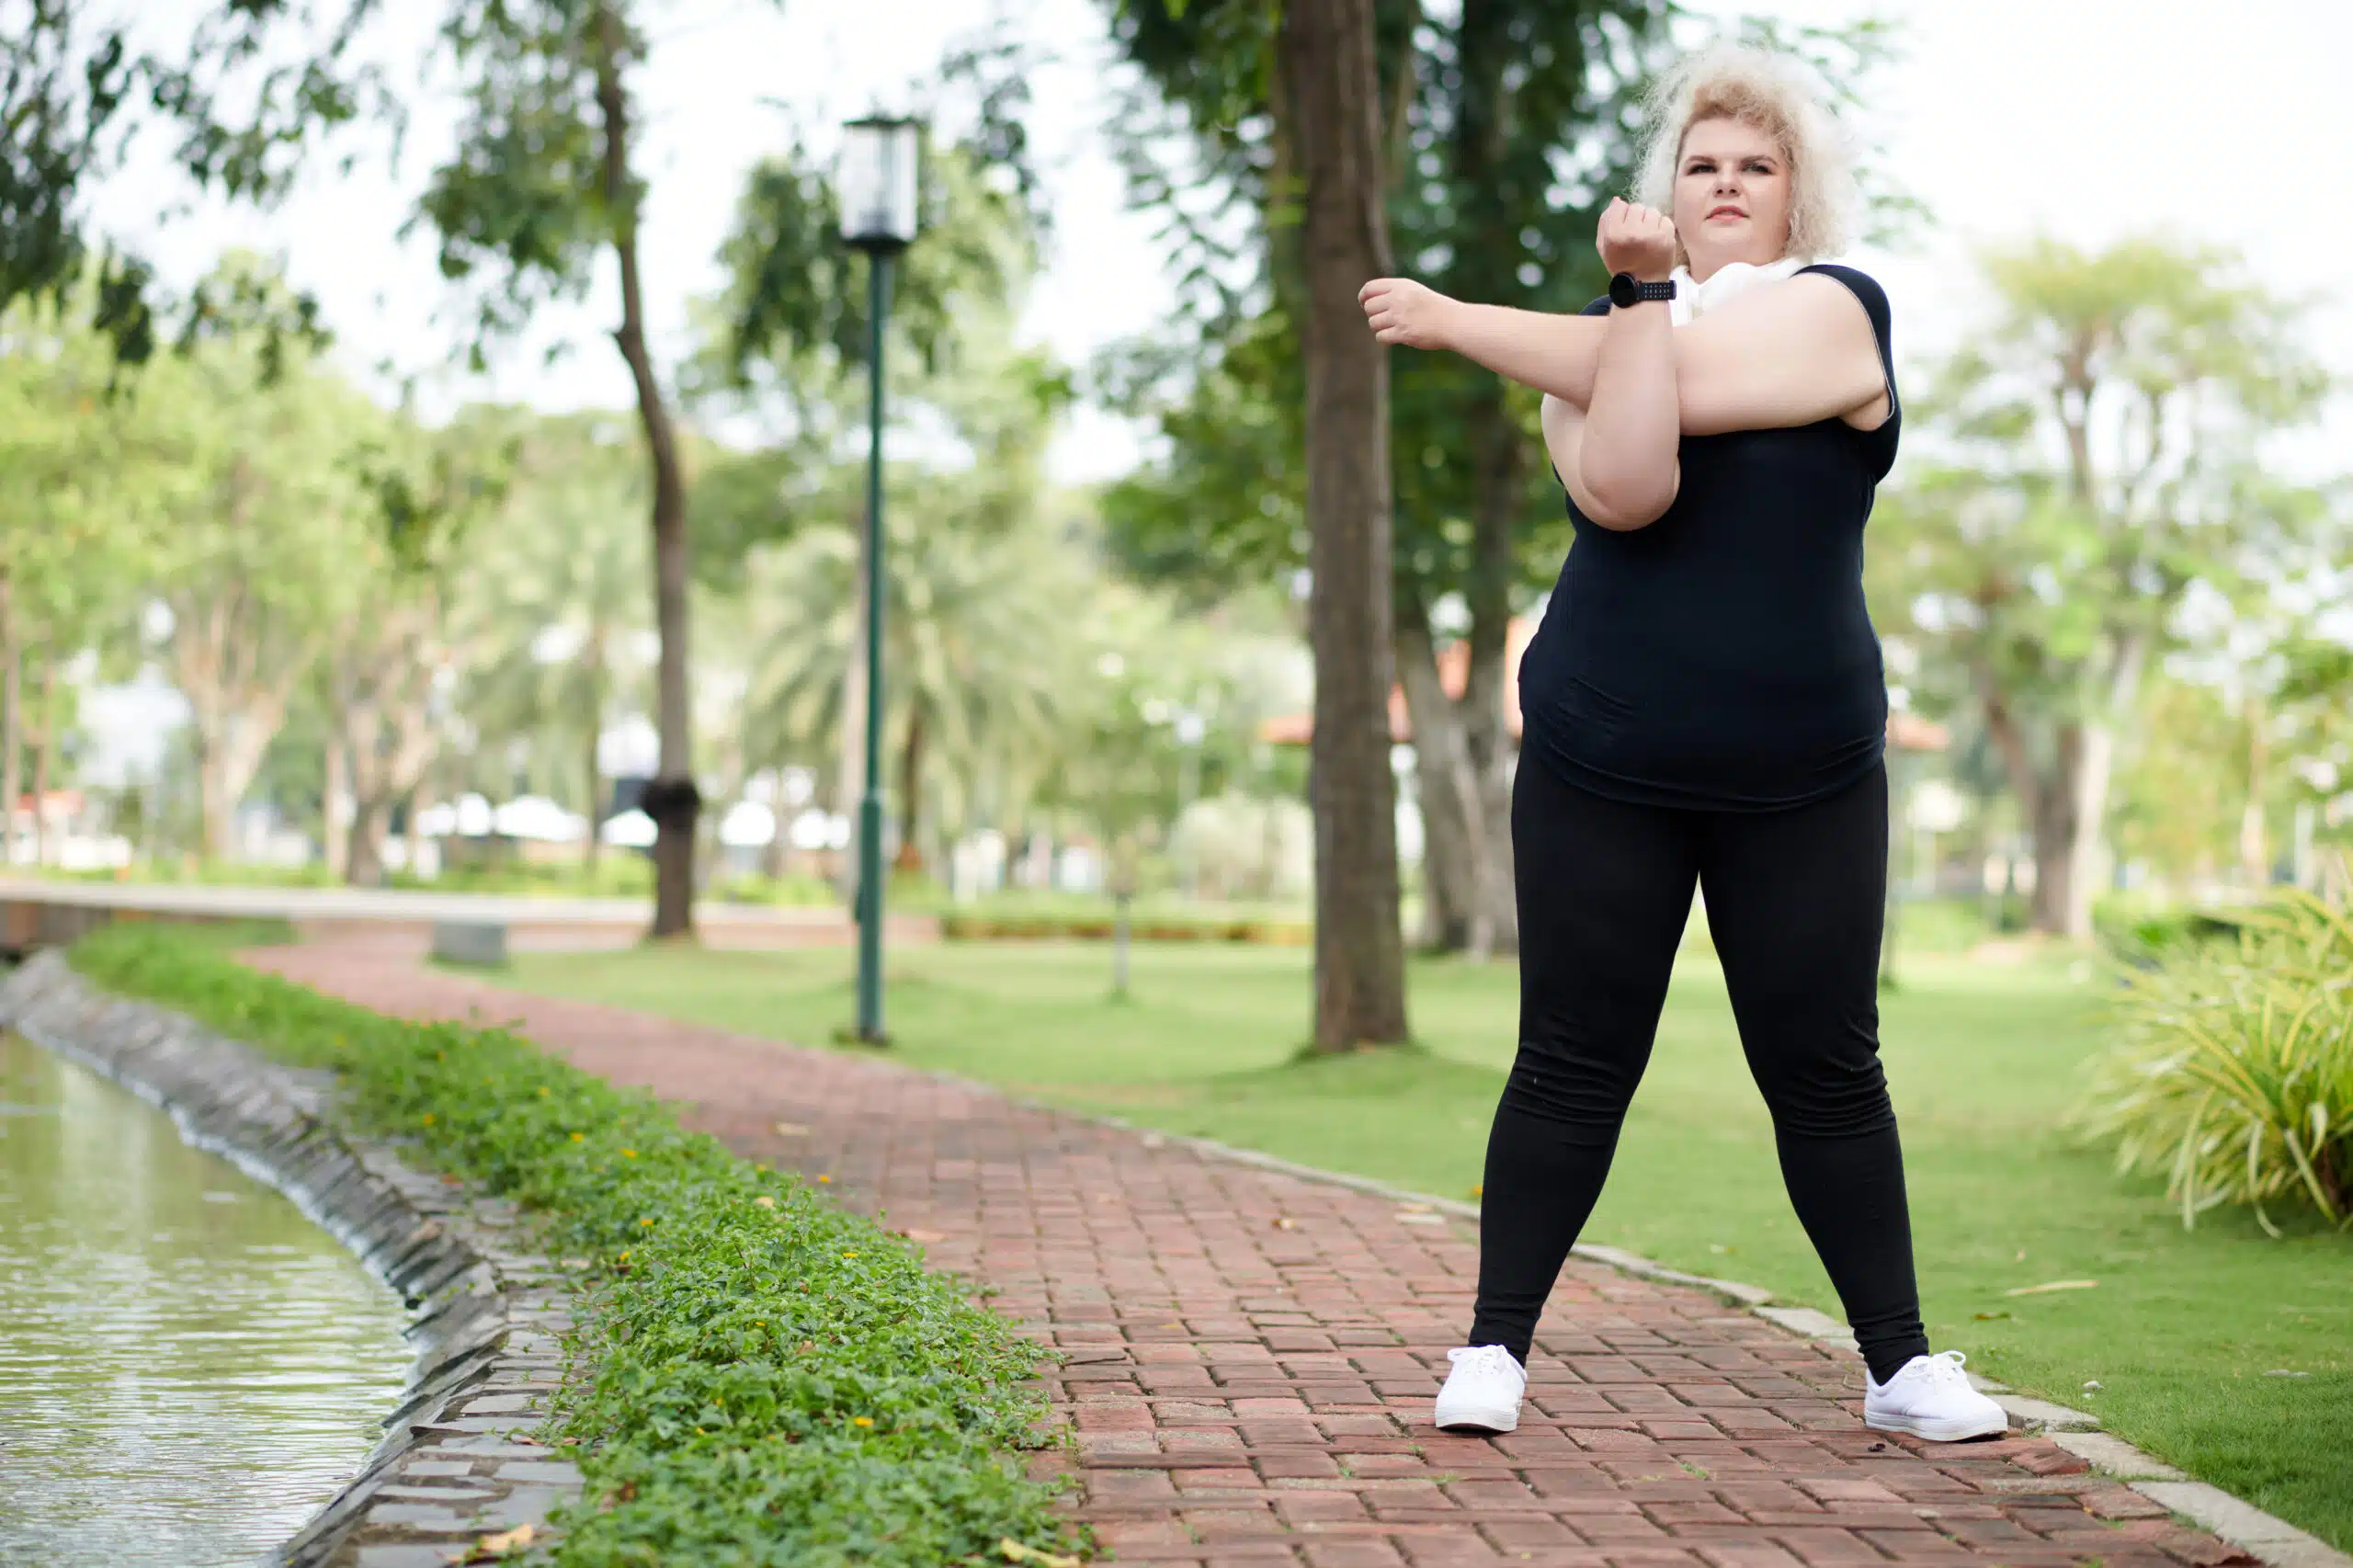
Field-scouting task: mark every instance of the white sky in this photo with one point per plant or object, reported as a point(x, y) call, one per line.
point(2086, 119)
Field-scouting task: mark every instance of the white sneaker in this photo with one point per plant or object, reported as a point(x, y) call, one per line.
point(1930, 1398)
point(1482, 1392)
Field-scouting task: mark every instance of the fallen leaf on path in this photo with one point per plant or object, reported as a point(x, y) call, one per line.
point(490, 1548)
point(1016, 1553)
point(1285, 1222)
point(916, 1235)
point(1413, 1207)
point(791, 1130)
point(2054, 1285)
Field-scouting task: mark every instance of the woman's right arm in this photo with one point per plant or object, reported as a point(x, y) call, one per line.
point(1555, 355)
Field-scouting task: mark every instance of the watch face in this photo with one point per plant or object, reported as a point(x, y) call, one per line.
point(1622, 288)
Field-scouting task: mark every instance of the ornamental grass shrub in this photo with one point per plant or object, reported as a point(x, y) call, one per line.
point(2232, 1074)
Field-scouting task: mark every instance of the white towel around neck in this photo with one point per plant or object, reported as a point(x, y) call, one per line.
point(1734, 278)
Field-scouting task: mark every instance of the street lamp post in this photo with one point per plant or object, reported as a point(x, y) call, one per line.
point(878, 202)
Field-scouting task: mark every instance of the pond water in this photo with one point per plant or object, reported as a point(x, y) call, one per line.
point(189, 1368)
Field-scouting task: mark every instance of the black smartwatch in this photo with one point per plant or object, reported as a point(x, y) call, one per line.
point(1624, 290)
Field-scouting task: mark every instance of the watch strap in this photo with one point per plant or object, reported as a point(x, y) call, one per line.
point(1626, 290)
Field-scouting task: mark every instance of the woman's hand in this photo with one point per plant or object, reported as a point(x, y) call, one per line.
point(1413, 314)
point(1636, 239)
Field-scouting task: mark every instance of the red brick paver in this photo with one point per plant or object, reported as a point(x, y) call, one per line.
point(1252, 1355)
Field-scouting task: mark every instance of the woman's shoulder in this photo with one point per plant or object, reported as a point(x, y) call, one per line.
point(1862, 285)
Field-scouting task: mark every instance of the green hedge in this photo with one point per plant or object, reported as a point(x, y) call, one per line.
point(2145, 935)
point(761, 1378)
point(1101, 928)
point(1095, 917)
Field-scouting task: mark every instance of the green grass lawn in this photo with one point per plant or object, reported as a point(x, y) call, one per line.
point(2181, 1331)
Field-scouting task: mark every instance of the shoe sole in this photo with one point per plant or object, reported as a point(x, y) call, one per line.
point(1938, 1431)
point(1490, 1422)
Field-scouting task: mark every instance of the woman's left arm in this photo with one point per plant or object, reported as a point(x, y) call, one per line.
point(1794, 353)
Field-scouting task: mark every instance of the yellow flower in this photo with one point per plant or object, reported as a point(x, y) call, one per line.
point(624, 1256)
point(629, 1154)
point(849, 1255)
point(825, 1178)
point(646, 1221)
point(862, 1421)
point(428, 1119)
point(543, 1092)
point(578, 1136)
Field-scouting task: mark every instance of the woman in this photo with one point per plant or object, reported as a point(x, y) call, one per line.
point(1705, 704)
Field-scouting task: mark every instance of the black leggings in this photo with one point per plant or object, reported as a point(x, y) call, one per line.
point(1794, 901)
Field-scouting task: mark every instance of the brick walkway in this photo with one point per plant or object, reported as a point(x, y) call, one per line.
point(1253, 1355)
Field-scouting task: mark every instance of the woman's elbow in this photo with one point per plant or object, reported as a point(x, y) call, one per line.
point(1623, 505)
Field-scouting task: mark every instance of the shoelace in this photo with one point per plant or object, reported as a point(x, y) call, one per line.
point(1945, 1367)
point(1483, 1358)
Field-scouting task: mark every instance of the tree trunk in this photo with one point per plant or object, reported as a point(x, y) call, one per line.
point(776, 855)
point(419, 802)
point(11, 724)
point(851, 783)
point(2087, 763)
point(364, 854)
point(1449, 793)
point(216, 805)
point(594, 808)
point(2051, 805)
point(334, 789)
point(2254, 859)
point(2047, 803)
point(671, 799)
point(1486, 731)
point(910, 857)
point(2095, 763)
point(1330, 91)
point(44, 753)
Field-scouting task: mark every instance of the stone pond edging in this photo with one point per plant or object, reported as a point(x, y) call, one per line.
point(487, 1312)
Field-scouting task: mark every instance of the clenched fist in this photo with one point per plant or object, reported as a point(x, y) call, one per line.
point(1401, 310)
point(1636, 239)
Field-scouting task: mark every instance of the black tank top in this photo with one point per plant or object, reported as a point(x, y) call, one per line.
point(1722, 657)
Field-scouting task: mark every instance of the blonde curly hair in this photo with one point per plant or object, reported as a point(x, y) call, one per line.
point(1773, 94)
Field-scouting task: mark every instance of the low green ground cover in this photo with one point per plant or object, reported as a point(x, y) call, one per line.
point(2220, 1348)
point(763, 1378)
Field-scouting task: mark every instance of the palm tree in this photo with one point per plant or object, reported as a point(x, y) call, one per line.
point(981, 637)
point(562, 579)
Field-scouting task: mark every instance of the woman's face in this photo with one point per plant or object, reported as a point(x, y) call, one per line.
point(1732, 196)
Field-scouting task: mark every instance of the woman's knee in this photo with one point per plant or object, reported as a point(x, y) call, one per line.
point(1829, 1097)
point(1571, 1086)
